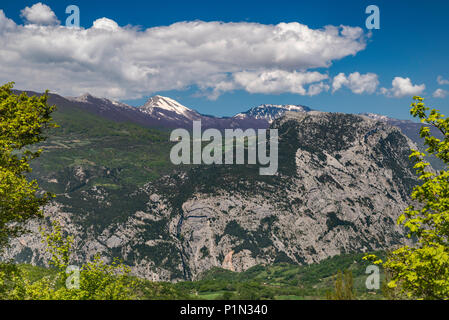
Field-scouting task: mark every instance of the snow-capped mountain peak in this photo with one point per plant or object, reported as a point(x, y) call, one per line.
point(101, 102)
point(270, 112)
point(167, 104)
point(84, 97)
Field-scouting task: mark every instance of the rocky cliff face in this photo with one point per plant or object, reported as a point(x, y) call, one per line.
point(342, 182)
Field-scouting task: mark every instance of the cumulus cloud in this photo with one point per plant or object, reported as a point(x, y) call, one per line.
point(402, 87)
point(317, 88)
point(442, 81)
point(105, 24)
point(127, 62)
point(40, 14)
point(5, 23)
point(440, 93)
point(356, 82)
point(278, 81)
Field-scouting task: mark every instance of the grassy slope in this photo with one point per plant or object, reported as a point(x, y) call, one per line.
point(133, 154)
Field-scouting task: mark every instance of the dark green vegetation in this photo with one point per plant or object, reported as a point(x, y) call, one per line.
point(280, 281)
point(117, 154)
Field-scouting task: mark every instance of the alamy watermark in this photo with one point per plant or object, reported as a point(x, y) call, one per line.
point(373, 20)
point(191, 151)
point(73, 280)
point(373, 280)
point(73, 20)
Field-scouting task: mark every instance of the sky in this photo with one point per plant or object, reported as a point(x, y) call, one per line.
point(224, 57)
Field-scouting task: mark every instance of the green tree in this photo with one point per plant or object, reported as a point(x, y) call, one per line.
point(343, 287)
point(226, 296)
point(249, 291)
point(59, 248)
point(23, 120)
point(96, 279)
point(421, 271)
point(11, 282)
point(349, 285)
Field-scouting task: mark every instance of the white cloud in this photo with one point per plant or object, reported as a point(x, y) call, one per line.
point(40, 14)
point(277, 81)
point(442, 81)
point(440, 93)
point(317, 88)
point(356, 82)
point(339, 81)
point(128, 62)
point(402, 87)
point(5, 23)
point(105, 24)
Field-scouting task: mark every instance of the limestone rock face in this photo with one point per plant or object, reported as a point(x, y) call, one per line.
point(227, 262)
point(342, 182)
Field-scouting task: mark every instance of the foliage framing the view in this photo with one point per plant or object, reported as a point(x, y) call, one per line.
point(22, 123)
point(422, 271)
point(95, 280)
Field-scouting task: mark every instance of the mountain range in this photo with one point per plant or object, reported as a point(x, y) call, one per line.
point(164, 112)
point(343, 180)
point(169, 112)
point(160, 112)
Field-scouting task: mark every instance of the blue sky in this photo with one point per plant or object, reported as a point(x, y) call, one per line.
point(412, 44)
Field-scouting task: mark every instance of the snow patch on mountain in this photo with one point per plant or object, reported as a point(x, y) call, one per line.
point(271, 112)
point(375, 116)
point(88, 98)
